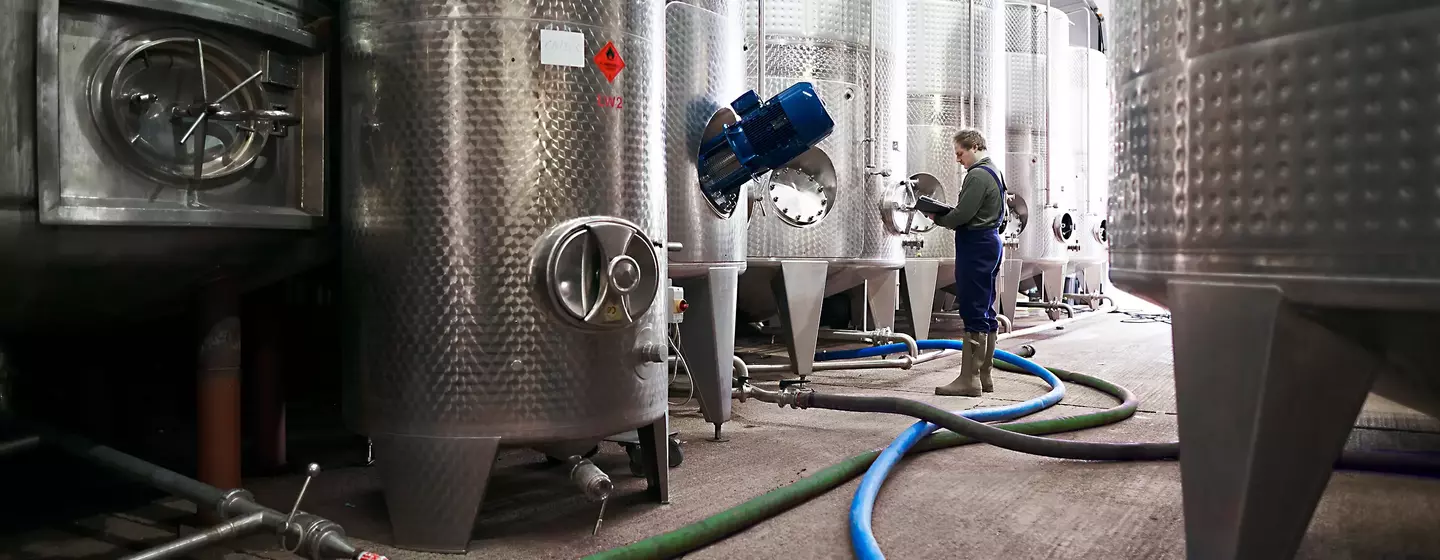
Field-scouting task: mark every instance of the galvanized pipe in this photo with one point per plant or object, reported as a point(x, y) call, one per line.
point(903, 362)
point(760, 49)
point(19, 445)
point(318, 538)
point(1049, 132)
point(232, 529)
point(869, 337)
point(874, 153)
point(1069, 310)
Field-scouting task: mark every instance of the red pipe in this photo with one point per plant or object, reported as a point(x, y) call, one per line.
point(218, 383)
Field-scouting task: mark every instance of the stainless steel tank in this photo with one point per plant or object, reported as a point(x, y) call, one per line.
point(1274, 186)
point(704, 72)
point(105, 212)
point(828, 221)
point(1038, 175)
point(954, 80)
point(503, 229)
point(1088, 111)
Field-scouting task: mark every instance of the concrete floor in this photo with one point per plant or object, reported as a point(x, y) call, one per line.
point(975, 501)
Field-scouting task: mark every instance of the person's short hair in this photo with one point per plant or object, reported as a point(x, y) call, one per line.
point(970, 139)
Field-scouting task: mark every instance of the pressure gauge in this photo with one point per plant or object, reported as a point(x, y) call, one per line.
point(597, 273)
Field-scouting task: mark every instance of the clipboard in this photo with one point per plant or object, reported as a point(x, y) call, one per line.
point(931, 206)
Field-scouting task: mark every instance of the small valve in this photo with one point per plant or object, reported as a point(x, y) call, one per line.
point(310, 472)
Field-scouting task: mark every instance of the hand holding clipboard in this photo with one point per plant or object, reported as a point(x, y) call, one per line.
point(932, 207)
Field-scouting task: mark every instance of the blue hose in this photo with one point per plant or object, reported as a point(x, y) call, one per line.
point(862, 538)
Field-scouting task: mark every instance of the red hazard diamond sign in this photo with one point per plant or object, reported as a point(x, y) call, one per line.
point(609, 62)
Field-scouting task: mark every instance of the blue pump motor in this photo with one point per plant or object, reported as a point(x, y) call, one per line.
point(767, 136)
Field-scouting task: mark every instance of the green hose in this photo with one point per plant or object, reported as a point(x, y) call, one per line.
point(734, 520)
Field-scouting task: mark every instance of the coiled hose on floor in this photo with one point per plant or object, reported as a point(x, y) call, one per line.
point(862, 537)
point(717, 527)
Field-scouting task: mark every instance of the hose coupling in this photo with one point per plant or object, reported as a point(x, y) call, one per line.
point(593, 482)
point(792, 397)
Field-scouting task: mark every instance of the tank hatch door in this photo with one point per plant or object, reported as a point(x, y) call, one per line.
point(600, 273)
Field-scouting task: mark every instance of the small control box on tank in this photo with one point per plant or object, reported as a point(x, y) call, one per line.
point(768, 135)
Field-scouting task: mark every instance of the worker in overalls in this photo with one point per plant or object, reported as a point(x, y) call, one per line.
point(976, 220)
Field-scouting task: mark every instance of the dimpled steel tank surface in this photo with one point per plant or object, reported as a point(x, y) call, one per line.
point(825, 223)
point(1274, 186)
point(501, 216)
point(1037, 168)
point(954, 76)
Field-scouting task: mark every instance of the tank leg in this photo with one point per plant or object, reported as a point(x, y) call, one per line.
point(882, 290)
point(1267, 398)
point(1009, 287)
point(918, 282)
point(800, 292)
point(708, 338)
point(655, 449)
point(433, 487)
point(1052, 287)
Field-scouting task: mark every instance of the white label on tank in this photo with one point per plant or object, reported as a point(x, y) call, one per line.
point(562, 48)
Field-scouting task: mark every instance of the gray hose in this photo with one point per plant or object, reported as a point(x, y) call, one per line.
point(1014, 441)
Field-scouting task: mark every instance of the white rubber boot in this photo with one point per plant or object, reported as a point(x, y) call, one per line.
point(967, 385)
point(987, 361)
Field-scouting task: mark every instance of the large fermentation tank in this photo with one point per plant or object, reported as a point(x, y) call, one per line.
point(704, 72)
point(1274, 186)
point(955, 80)
point(1038, 175)
point(503, 240)
point(829, 221)
point(1089, 114)
point(106, 212)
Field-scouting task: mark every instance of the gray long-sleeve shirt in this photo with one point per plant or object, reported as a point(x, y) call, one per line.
point(980, 201)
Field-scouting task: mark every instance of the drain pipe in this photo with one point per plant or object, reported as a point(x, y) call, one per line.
point(232, 529)
point(315, 537)
point(1005, 324)
point(903, 362)
point(1101, 298)
point(869, 337)
point(20, 445)
point(1067, 308)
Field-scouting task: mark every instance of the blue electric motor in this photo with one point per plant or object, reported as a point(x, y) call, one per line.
point(767, 136)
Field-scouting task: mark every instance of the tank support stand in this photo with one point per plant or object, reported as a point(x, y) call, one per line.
point(800, 292)
point(1254, 469)
point(708, 338)
point(655, 451)
point(918, 281)
point(433, 487)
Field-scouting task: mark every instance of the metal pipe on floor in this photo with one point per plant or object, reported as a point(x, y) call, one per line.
point(232, 529)
point(1067, 308)
point(317, 538)
point(904, 362)
point(869, 337)
point(19, 445)
point(1055, 324)
point(1005, 324)
point(1090, 297)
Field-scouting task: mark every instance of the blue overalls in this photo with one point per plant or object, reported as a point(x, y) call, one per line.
point(977, 267)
